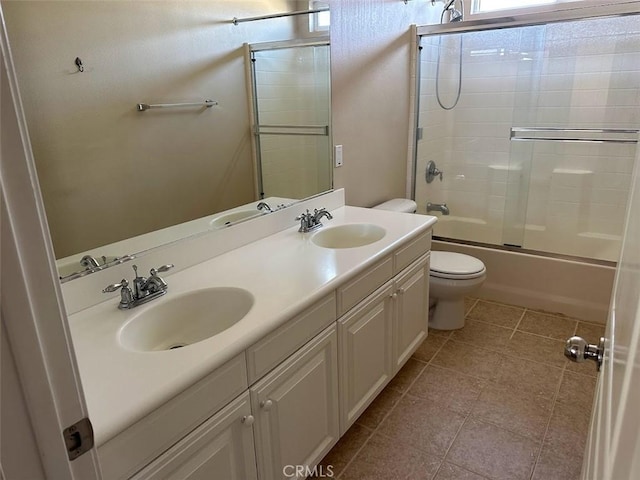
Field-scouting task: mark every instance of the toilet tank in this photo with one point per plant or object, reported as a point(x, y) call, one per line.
point(398, 205)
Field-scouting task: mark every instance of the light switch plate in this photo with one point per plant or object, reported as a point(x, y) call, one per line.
point(337, 155)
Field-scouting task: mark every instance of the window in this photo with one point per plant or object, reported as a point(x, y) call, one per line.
point(481, 6)
point(320, 21)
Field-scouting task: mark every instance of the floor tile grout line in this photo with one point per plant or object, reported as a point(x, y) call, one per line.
point(475, 302)
point(546, 430)
point(515, 329)
point(403, 394)
point(507, 429)
point(444, 457)
point(505, 353)
point(468, 470)
point(344, 469)
point(375, 430)
point(487, 382)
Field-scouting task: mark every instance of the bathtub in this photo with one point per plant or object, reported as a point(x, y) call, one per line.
point(578, 289)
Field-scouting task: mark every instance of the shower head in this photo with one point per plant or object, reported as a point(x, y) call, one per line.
point(455, 15)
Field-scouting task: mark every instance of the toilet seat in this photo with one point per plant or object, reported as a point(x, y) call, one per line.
point(454, 266)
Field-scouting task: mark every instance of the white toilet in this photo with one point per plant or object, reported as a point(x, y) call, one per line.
point(452, 276)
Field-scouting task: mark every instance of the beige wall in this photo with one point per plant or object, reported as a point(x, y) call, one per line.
point(108, 172)
point(370, 80)
point(71, 115)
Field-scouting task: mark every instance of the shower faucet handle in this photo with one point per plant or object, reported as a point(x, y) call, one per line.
point(432, 172)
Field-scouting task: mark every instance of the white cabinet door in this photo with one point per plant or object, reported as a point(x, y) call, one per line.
point(296, 409)
point(220, 449)
point(366, 365)
point(412, 311)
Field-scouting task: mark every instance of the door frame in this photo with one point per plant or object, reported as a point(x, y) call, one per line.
point(32, 304)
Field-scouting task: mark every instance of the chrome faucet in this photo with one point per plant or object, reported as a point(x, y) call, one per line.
point(438, 207)
point(264, 206)
point(88, 262)
point(144, 288)
point(311, 221)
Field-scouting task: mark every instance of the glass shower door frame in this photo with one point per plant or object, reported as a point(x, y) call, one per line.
point(259, 129)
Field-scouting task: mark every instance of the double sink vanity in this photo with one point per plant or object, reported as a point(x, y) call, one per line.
point(258, 358)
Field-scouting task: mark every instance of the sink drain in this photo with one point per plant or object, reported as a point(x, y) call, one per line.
point(177, 345)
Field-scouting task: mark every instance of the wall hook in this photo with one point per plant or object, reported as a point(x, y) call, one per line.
point(79, 64)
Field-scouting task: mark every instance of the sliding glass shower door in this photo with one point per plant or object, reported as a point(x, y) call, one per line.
point(291, 90)
point(539, 148)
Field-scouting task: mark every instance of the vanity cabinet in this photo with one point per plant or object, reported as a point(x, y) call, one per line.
point(366, 360)
point(154, 435)
point(380, 334)
point(411, 310)
point(285, 401)
point(296, 408)
point(222, 448)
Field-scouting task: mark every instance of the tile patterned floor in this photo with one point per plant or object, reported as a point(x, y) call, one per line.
point(495, 400)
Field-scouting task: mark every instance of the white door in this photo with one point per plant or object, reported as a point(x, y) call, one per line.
point(32, 307)
point(613, 448)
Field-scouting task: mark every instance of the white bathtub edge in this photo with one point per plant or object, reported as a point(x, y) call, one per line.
point(579, 290)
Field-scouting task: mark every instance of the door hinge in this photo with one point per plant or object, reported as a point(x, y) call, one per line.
point(78, 438)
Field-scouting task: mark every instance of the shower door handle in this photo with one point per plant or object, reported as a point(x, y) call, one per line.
point(578, 350)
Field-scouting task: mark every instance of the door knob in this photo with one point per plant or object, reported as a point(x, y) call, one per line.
point(266, 405)
point(578, 350)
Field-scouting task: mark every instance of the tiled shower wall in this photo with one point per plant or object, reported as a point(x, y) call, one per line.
point(293, 89)
point(561, 197)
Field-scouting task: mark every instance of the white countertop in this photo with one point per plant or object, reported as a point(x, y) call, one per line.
point(285, 273)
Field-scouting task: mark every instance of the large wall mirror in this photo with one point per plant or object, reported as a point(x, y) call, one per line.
point(118, 172)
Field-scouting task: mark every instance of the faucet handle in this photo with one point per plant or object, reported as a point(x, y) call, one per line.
point(135, 270)
point(303, 215)
point(432, 172)
point(115, 286)
point(164, 268)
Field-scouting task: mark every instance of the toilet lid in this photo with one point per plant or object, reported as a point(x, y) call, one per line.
point(455, 265)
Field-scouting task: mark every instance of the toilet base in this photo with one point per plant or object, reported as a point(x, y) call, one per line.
point(448, 295)
point(448, 315)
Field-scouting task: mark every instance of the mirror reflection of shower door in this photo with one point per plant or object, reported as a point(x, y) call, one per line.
point(291, 93)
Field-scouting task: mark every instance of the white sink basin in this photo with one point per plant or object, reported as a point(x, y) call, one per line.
point(348, 236)
point(228, 218)
point(186, 319)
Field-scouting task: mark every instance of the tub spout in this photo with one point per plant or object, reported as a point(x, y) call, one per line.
point(438, 207)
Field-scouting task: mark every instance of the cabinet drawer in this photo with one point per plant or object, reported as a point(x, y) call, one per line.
point(275, 347)
point(405, 255)
point(222, 447)
point(145, 440)
point(367, 282)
